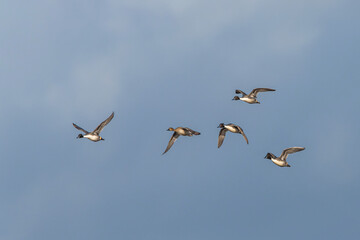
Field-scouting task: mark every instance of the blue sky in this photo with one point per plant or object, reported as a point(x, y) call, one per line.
point(160, 64)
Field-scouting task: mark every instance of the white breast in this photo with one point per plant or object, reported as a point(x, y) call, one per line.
point(248, 100)
point(92, 137)
point(279, 163)
point(231, 129)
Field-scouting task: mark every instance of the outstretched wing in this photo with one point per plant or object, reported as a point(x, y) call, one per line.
point(240, 130)
point(221, 136)
point(79, 128)
point(237, 91)
point(287, 151)
point(255, 91)
point(242, 133)
point(103, 124)
point(171, 142)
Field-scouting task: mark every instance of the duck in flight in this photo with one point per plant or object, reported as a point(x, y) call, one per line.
point(281, 161)
point(251, 98)
point(177, 132)
point(232, 128)
point(94, 135)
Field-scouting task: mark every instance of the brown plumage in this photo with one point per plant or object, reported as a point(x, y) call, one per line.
point(183, 131)
point(232, 128)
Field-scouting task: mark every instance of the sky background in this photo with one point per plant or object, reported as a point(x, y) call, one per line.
point(160, 64)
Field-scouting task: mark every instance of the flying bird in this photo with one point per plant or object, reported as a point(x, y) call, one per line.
point(281, 161)
point(94, 135)
point(177, 132)
point(232, 128)
point(251, 98)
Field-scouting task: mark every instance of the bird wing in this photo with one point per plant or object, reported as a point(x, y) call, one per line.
point(242, 133)
point(287, 151)
point(221, 136)
point(237, 91)
point(103, 124)
point(79, 128)
point(255, 91)
point(171, 142)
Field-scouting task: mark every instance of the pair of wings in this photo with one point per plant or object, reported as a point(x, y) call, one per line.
point(288, 151)
point(98, 128)
point(222, 134)
point(175, 136)
point(255, 91)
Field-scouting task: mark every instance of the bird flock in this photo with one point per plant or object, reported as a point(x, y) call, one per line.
point(184, 131)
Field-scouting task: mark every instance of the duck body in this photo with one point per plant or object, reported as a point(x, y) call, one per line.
point(232, 128)
point(93, 137)
point(276, 160)
point(280, 163)
point(184, 131)
point(249, 100)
